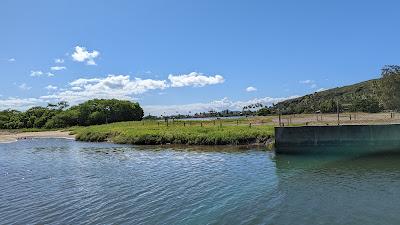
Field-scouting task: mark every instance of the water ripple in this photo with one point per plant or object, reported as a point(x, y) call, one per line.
point(66, 182)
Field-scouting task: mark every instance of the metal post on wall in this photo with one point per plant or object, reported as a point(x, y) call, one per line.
point(280, 119)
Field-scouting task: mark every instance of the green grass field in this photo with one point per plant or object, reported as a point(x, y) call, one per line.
point(225, 132)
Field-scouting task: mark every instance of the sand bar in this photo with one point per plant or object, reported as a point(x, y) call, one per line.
point(7, 137)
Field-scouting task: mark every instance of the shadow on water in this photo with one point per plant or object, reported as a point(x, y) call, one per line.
point(359, 187)
point(126, 149)
point(202, 148)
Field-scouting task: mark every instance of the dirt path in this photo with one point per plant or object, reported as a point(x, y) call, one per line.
point(7, 137)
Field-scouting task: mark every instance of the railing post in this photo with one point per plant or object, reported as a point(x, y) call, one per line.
point(280, 123)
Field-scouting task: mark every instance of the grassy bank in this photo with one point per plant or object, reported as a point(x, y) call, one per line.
point(191, 133)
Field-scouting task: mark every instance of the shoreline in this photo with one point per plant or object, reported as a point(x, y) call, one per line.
point(9, 137)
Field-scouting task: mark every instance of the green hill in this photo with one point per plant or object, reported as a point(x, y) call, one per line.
point(357, 97)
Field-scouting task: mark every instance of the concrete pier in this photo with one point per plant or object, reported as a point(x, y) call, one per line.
point(344, 138)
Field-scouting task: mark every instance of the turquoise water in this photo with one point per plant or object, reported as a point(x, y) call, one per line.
point(54, 181)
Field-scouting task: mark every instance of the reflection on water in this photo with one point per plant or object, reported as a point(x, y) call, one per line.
point(67, 182)
point(339, 189)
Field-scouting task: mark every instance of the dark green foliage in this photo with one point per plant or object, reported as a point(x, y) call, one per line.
point(370, 105)
point(100, 111)
point(97, 111)
point(264, 112)
point(389, 91)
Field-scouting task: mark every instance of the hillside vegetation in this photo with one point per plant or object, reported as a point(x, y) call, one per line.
point(362, 97)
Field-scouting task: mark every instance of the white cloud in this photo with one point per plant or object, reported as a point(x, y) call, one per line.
point(124, 87)
point(112, 86)
point(251, 89)
point(306, 82)
point(11, 59)
point(19, 104)
point(51, 87)
point(24, 87)
point(311, 83)
point(217, 105)
point(37, 73)
point(58, 68)
point(321, 89)
point(194, 79)
point(50, 74)
point(82, 55)
point(59, 60)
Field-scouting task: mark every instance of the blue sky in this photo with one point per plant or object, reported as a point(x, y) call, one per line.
point(190, 55)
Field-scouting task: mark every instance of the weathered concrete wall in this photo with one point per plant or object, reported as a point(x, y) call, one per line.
point(328, 138)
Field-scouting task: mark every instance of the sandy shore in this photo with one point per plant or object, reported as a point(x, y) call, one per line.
point(6, 137)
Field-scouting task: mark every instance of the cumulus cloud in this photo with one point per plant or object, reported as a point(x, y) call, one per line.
point(11, 59)
point(19, 103)
point(125, 87)
point(39, 73)
point(36, 73)
point(24, 87)
point(83, 55)
point(112, 86)
point(217, 105)
point(194, 79)
point(50, 74)
point(58, 68)
point(59, 60)
point(51, 87)
point(251, 89)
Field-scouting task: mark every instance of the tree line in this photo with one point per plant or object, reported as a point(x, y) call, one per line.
point(92, 112)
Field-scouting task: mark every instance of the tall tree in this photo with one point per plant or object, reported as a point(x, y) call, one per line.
point(390, 87)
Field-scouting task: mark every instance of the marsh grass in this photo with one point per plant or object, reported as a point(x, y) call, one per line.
point(224, 132)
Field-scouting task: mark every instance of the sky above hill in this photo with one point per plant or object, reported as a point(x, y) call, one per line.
point(189, 56)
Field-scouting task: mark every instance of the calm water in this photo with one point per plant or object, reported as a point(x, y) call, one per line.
point(51, 181)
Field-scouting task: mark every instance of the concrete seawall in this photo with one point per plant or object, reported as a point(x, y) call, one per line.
point(344, 138)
